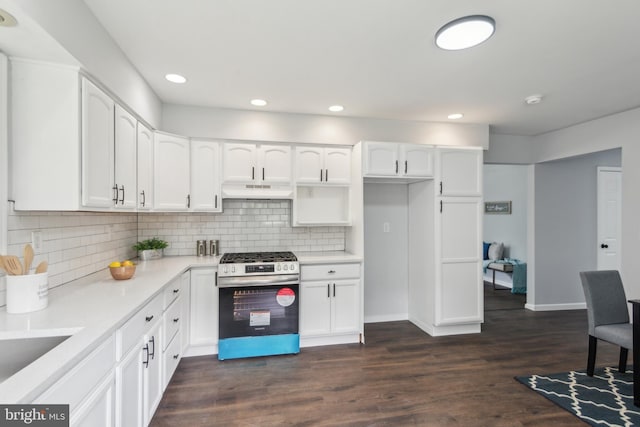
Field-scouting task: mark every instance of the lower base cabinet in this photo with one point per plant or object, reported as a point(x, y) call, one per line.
point(129, 386)
point(203, 324)
point(152, 384)
point(99, 408)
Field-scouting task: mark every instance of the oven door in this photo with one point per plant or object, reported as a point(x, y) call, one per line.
point(246, 311)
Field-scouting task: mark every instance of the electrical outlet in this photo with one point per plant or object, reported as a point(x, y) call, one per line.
point(386, 227)
point(36, 240)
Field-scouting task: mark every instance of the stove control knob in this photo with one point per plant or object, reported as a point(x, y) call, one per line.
point(285, 267)
point(226, 270)
point(278, 267)
point(293, 267)
point(233, 269)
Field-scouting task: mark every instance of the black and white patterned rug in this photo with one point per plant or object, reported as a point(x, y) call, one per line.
point(606, 399)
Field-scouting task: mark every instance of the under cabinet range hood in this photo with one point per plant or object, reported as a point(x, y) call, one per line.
point(257, 191)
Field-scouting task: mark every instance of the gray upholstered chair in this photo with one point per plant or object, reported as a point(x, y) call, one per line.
point(607, 313)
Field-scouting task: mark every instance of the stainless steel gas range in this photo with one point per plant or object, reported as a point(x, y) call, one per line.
point(259, 297)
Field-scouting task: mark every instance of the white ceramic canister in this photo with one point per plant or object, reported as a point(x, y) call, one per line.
point(26, 293)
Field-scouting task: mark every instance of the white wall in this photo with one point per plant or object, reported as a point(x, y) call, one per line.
point(503, 183)
point(73, 25)
point(566, 225)
point(512, 149)
point(386, 292)
point(306, 128)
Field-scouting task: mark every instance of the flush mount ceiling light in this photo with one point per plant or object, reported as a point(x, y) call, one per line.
point(455, 116)
point(533, 99)
point(175, 78)
point(6, 20)
point(258, 102)
point(466, 32)
point(336, 108)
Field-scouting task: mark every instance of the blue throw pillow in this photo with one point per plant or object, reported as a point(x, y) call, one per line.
point(485, 250)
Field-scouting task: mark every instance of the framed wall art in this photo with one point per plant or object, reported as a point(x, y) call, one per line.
point(498, 207)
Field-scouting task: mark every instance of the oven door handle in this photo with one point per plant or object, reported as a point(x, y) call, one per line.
point(237, 282)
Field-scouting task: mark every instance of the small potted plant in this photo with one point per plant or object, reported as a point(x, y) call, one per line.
point(150, 248)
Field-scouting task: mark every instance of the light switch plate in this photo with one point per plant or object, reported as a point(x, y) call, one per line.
point(36, 240)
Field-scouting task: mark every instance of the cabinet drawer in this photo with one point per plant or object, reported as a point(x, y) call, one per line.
point(329, 271)
point(171, 358)
point(171, 292)
point(83, 378)
point(132, 331)
point(171, 319)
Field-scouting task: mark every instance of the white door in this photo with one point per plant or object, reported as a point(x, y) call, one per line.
point(97, 147)
point(145, 167)
point(125, 158)
point(609, 217)
point(205, 176)
point(418, 160)
point(309, 164)
point(381, 159)
point(171, 172)
point(98, 409)
point(346, 306)
point(239, 162)
point(129, 388)
point(152, 375)
point(315, 308)
point(459, 172)
point(337, 165)
point(275, 164)
point(204, 308)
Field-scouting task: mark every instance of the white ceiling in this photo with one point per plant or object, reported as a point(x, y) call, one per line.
point(378, 58)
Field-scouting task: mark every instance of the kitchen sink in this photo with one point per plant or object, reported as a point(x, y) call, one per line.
point(18, 353)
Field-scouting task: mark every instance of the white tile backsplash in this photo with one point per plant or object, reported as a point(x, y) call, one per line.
point(244, 225)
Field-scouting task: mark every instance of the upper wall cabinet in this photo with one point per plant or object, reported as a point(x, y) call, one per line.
point(323, 165)
point(205, 176)
point(63, 124)
point(171, 172)
point(256, 170)
point(395, 160)
point(459, 171)
point(145, 167)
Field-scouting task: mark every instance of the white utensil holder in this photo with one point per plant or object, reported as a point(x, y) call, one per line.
point(26, 293)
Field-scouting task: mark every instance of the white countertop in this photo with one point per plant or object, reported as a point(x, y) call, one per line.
point(92, 308)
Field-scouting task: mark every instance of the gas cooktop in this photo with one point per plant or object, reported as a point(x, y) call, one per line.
point(257, 257)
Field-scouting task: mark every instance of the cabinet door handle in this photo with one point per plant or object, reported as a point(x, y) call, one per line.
point(116, 193)
point(253, 172)
point(153, 352)
point(396, 166)
point(144, 198)
point(188, 201)
point(328, 290)
point(122, 200)
point(148, 318)
point(175, 356)
point(440, 187)
point(263, 174)
point(326, 175)
point(215, 201)
point(176, 320)
point(406, 165)
point(175, 291)
point(320, 175)
point(331, 272)
point(334, 290)
point(146, 361)
point(440, 206)
point(604, 246)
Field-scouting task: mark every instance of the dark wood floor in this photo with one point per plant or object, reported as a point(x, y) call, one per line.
point(401, 377)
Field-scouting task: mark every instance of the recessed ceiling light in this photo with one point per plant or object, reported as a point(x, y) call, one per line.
point(466, 32)
point(336, 108)
point(455, 116)
point(175, 78)
point(6, 19)
point(258, 102)
point(533, 99)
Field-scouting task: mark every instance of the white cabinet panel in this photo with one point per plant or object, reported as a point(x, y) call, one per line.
point(381, 159)
point(460, 228)
point(329, 165)
point(346, 306)
point(460, 294)
point(315, 308)
point(152, 374)
point(126, 134)
point(98, 409)
point(239, 162)
point(460, 172)
point(145, 167)
point(390, 159)
point(171, 172)
point(204, 308)
point(205, 176)
point(309, 164)
point(418, 160)
point(97, 147)
point(129, 392)
point(275, 164)
point(185, 310)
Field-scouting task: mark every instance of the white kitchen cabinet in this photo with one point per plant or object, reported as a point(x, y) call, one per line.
point(205, 176)
point(98, 409)
point(171, 178)
point(97, 147)
point(459, 171)
point(145, 167)
point(126, 135)
point(185, 310)
point(328, 165)
point(152, 384)
point(204, 311)
point(330, 304)
point(397, 160)
point(257, 163)
point(129, 380)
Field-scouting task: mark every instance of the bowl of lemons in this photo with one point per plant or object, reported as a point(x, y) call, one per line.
point(122, 270)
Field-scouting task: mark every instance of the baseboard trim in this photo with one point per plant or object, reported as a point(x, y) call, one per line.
point(386, 318)
point(556, 307)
